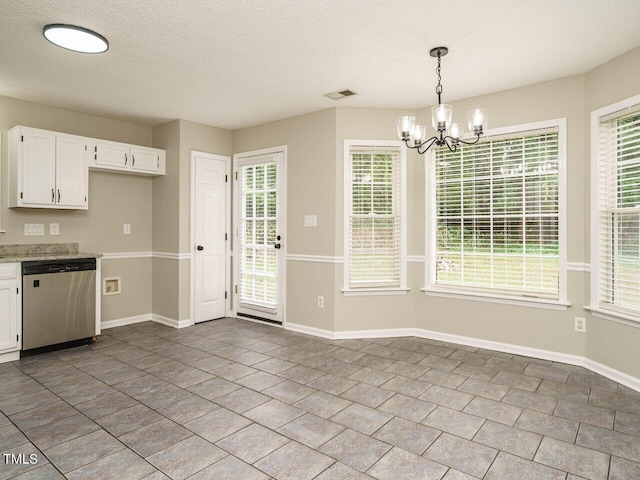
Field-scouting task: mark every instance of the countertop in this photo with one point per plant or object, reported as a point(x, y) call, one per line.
point(42, 251)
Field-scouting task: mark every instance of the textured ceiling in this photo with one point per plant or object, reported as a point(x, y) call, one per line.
point(237, 63)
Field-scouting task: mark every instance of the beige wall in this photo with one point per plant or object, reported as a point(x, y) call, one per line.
point(544, 329)
point(608, 342)
point(172, 211)
point(311, 190)
point(159, 211)
point(539, 328)
point(114, 199)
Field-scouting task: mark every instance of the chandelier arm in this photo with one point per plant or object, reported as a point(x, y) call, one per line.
point(431, 141)
point(473, 142)
point(452, 148)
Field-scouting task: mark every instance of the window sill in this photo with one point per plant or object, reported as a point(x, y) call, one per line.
point(502, 299)
point(614, 316)
point(359, 292)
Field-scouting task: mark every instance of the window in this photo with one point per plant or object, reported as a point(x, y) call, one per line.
point(616, 205)
point(495, 215)
point(375, 225)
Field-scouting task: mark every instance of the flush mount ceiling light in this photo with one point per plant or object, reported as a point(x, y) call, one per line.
point(449, 134)
point(75, 38)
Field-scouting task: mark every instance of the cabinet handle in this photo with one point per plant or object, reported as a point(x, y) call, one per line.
point(125, 158)
point(53, 196)
point(58, 196)
point(133, 160)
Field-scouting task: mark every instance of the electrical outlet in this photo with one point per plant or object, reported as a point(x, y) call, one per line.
point(127, 229)
point(320, 301)
point(580, 324)
point(310, 221)
point(54, 229)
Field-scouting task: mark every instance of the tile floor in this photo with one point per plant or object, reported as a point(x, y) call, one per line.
point(232, 399)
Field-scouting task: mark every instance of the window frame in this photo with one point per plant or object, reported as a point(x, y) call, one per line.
point(398, 145)
point(486, 294)
point(618, 109)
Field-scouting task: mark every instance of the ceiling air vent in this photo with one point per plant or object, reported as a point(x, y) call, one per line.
point(340, 94)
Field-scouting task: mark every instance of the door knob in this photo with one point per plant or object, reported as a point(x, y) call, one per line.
point(277, 245)
point(199, 248)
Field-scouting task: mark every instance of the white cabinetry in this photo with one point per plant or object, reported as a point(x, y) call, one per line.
point(9, 310)
point(120, 157)
point(47, 169)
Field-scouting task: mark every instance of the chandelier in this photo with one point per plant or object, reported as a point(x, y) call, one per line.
point(449, 134)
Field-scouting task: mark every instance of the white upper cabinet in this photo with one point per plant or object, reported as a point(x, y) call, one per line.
point(120, 157)
point(47, 170)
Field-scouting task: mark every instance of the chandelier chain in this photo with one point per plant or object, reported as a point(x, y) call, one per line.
point(439, 86)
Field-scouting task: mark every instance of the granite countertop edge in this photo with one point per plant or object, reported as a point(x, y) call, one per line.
point(47, 256)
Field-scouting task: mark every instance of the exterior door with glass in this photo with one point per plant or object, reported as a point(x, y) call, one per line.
point(260, 242)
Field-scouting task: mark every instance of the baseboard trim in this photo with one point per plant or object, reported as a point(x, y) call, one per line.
point(613, 374)
point(9, 357)
point(121, 322)
point(153, 317)
point(502, 347)
point(604, 370)
point(171, 322)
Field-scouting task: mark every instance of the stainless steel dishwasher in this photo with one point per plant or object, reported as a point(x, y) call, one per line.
point(58, 302)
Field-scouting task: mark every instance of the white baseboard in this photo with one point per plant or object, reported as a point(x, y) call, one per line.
point(9, 357)
point(604, 370)
point(502, 347)
point(121, 322)
point(613, 374)
point(153, 317)
point(316, 332)
point(171, 322)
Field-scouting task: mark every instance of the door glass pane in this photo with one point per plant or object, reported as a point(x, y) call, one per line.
point(258, 266)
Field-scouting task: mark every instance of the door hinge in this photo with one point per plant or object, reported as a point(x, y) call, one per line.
point(225, 295)
point(17, 338)
point(17, 291)
point(21, 195)
point(22, 138)
point(236, 175)
point(95, 149)
point(226, 236)
point(226, 178)
point(85, 148)
point(236, 289)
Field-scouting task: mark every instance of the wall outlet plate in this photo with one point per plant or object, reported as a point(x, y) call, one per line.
point(580, 324)
point(320, 301)
point(310, 220)
point(127, 229)
point(54, 229)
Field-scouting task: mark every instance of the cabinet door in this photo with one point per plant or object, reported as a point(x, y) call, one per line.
point(144, 159)
point(38, 168)
point(112, 155)
point(8, 315)
point(71, 172)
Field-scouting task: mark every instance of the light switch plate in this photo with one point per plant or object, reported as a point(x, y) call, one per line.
point(33, 229)
point(54, 229)
point(127, 229)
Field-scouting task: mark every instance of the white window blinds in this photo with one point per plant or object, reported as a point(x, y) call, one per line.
point(496, 209)
point(618, 200)
point(374, 217)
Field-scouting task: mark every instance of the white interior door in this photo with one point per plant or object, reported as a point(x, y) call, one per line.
point(210, 227)
point(260, 220)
